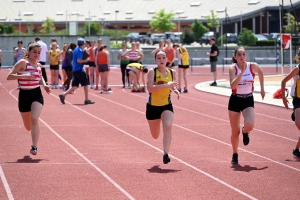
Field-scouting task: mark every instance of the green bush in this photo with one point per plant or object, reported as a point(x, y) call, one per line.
point(187, 37)
point(247, 38)
point(265, 43)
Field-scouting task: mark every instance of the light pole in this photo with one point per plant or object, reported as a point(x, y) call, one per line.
point(66, 22)
point(116, 26)
point(20, 23)
point(178, 13)
point(89, 24)
point(102, 24)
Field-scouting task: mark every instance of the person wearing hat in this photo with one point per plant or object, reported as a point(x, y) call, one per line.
point(79, 75)
point(213, 58)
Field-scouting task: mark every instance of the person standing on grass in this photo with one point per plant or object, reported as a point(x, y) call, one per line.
point(43, 57)
point(183, 66)
point(241, 75)
point(124, 61)
point(29, 75)
point(160, 83)
point(296, 98)
point(79, 75)
point(213, 58)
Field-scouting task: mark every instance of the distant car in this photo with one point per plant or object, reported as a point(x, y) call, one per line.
point(205, 37)
point(231, 38)
point(260, 37)
point(155, 38)
point(143, 36)
point(274, 36)
point(177, 37)
point(169, 35)
point(132, 37)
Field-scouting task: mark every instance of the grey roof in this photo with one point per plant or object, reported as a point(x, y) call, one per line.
point(128, 10)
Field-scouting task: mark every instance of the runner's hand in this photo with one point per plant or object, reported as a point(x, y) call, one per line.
point(177, 92)
point(262, 93)
point(285, 102)
point(47, 88)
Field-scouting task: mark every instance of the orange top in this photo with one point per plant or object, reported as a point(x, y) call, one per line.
point(91, 54)
point(102, 57)
point(169, 53)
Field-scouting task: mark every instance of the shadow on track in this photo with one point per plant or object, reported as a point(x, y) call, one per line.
point(157, 169)
point(246, 168)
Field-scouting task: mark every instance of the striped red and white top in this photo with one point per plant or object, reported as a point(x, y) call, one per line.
point(30, 84)
point(133, 55)
point(246, 84)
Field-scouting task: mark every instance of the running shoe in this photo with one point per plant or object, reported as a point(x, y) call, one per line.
point(246, 138)
point(179, 90)
point(293, 116)
point(166, 158)
point(123, 86)
point(56, 86)
point(62, 98)
point(213, 83)
point(185, 90)
point(88, 102)
point(92, 86)
point(296, 153)
point(101, 91)
point(96, 88)
point(108, 92)
point(235, 158)
point(52, 86)
point(33, 150)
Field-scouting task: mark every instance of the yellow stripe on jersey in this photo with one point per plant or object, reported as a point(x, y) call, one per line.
point(136, 65)
point(163, 96)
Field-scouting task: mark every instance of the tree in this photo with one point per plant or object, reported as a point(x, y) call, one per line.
point(246, 37)
point(292, 24)
point(162, 21)
point(198, 29)
point(48, 26)
point(9, 29)
point(2, 28)
point(94, 28)
point(213, 21)
point(186, 37)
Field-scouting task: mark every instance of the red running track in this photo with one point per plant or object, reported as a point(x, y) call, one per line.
point(105, 150)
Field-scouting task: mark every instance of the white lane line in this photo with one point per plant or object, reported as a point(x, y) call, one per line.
point(5, 184)
point(82, 156)
point(217, 118)
point(227, 106)
point(150, 145)
point(266, 158)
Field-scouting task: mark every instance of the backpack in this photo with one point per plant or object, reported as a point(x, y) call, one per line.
point(278, 94)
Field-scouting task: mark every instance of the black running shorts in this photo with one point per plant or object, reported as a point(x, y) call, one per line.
point(79, 77)
point(237, 103)
point(154, 112)
point(27, 97)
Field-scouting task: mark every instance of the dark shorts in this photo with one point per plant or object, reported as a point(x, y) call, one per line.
point(0, 64)
point(213, 66)
point(154, 112)
point(42, 63)
point(237, 103)
point(183, 66)
point(133, 61)
point(79, 77)
point(27, 97)
point(54, 67)
point(296, 103)
point(171, 65)
point(67, 68)
point(103, 68)
point(91, 64)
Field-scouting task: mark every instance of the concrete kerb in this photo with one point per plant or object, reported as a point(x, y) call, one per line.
point(224, 89)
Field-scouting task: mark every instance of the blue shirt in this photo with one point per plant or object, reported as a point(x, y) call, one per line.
point(77, 54)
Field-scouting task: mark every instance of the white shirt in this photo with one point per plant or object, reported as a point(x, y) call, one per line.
point(246, 84)
point(43, 55)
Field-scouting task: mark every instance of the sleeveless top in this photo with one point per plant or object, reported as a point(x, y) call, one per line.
point(30, 84)
point(91, 55)
point(53, 59)
point(20, 53)
point(246, 84)
point(133, 55)
point(123, 62)
point(184, 56)
point(161, 97)
point(65, 62)
point(169, 53)
point(101, 57)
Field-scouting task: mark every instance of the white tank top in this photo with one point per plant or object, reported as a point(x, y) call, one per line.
point(246, 84)
point(30, 84)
